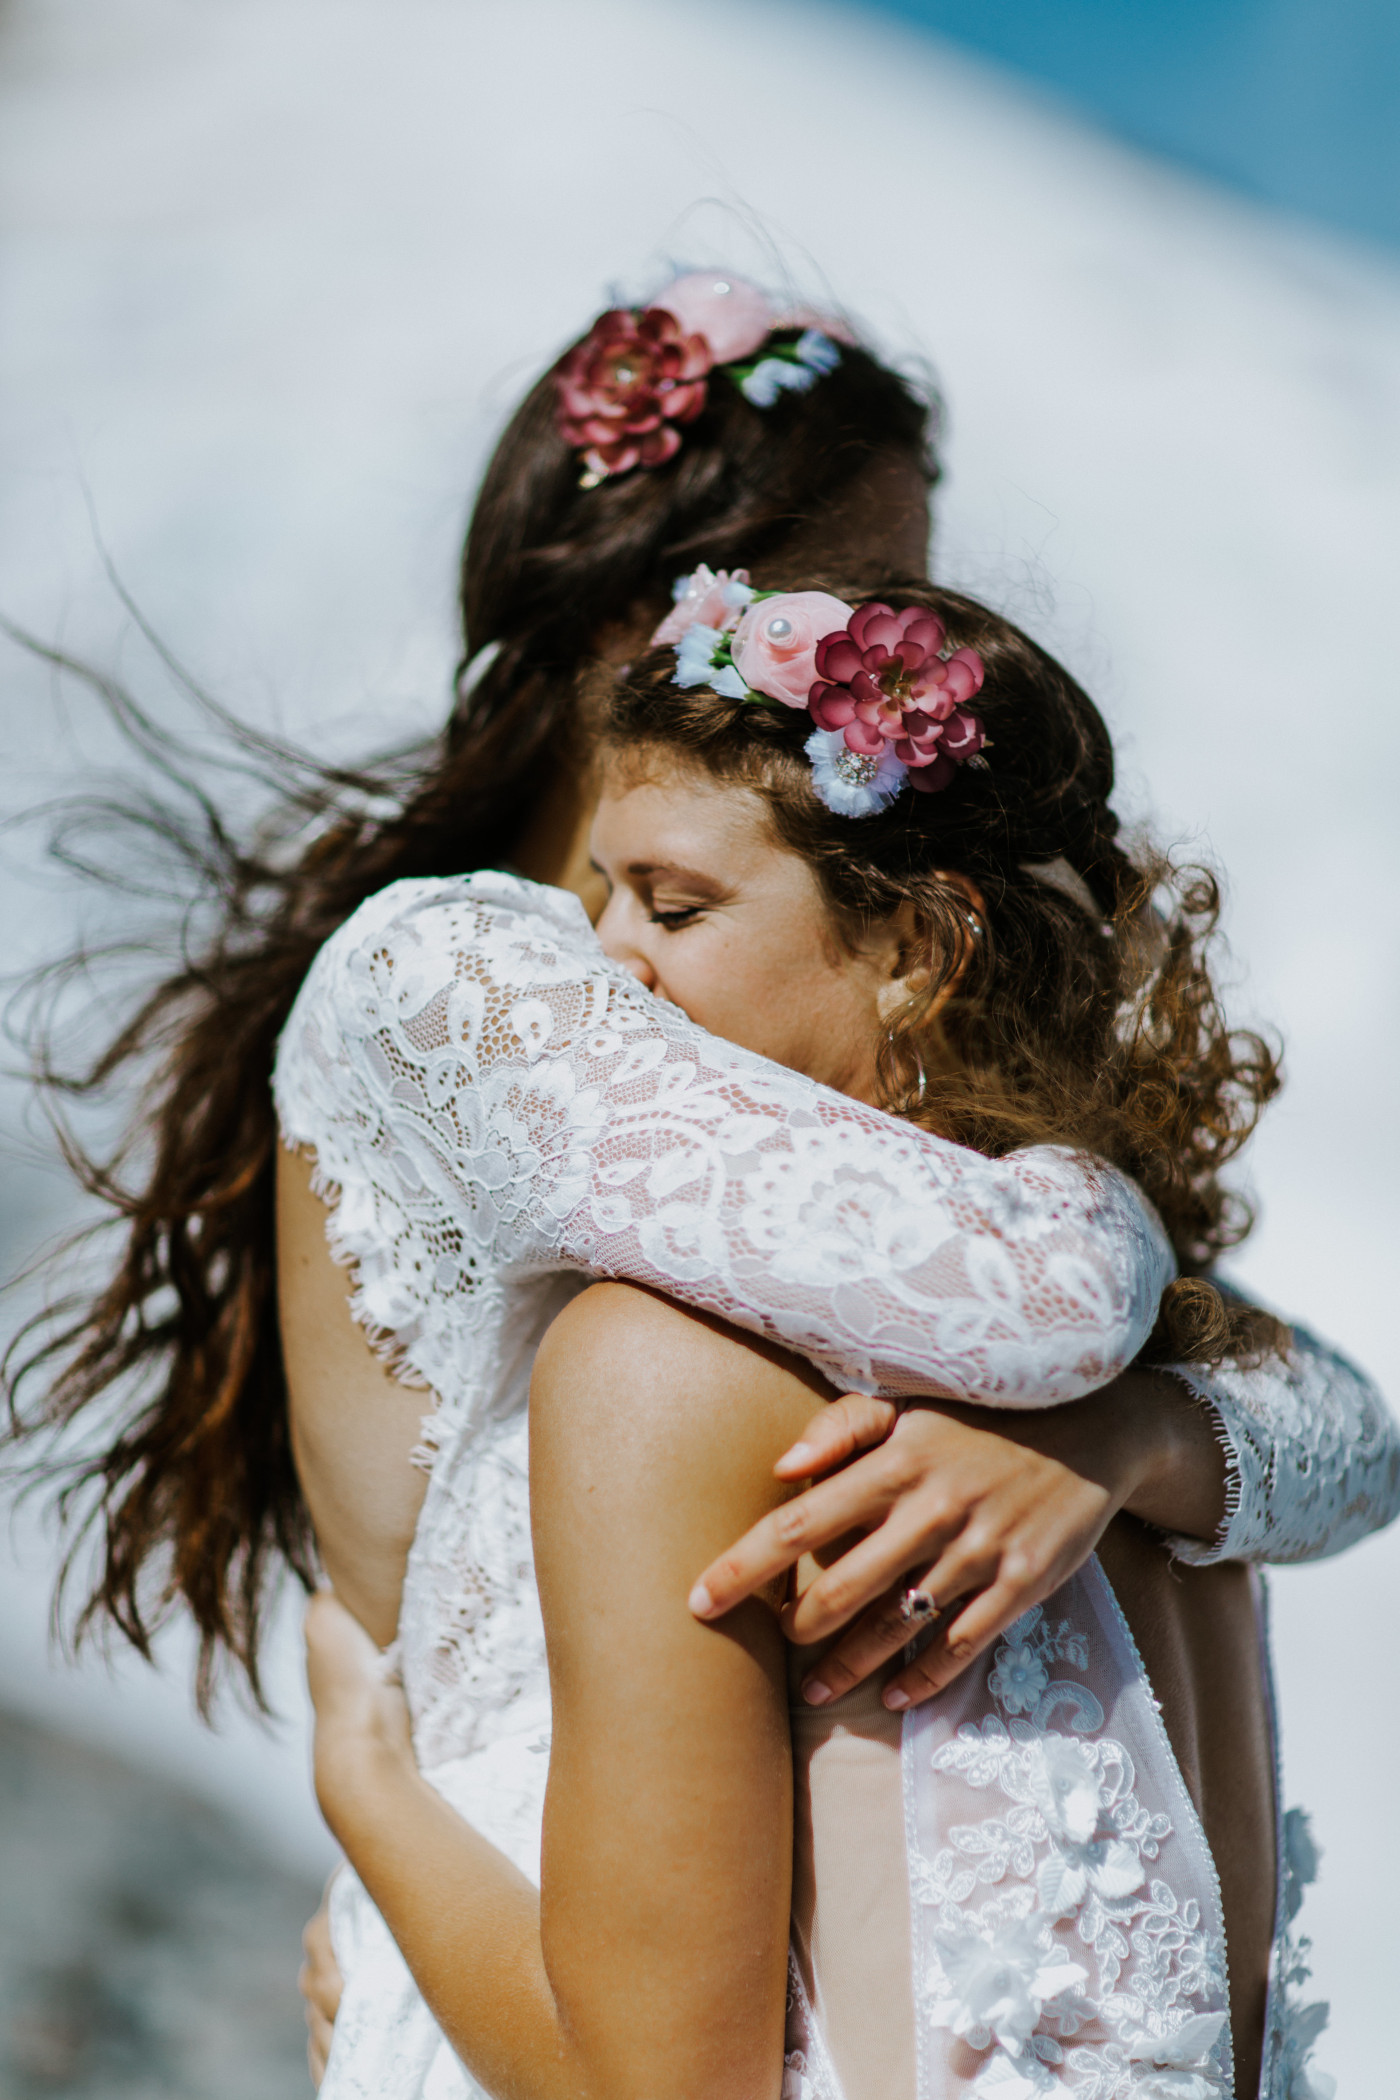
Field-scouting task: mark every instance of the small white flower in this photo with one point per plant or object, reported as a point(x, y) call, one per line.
point(1179, 2065)
point(849, 785)
point(773, 376)
point(695, 654)
point(1064, 1785)
point(729, 684)
point(992, 1979)
point(1018, 1679)
point(817, 351)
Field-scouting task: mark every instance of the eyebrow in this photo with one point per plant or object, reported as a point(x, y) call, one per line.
point(644, 868)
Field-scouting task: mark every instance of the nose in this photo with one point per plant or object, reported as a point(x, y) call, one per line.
point(617, 935)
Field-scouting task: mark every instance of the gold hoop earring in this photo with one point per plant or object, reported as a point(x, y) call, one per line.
point(918, 1066)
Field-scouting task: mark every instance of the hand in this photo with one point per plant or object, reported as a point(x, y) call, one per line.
point(320, 1982)
point(361, 1713)
point(992, 1518)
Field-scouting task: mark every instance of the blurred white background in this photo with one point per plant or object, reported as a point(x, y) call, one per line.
point(273, 272)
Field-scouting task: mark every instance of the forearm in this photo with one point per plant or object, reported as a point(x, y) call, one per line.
point(467, 1922)
point(1147, 1436)
point(1144, 1441)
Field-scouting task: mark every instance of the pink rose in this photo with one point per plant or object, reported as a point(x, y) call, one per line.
point(885, 684)
point(715, 599)
point(775, 644)
point(734, 317)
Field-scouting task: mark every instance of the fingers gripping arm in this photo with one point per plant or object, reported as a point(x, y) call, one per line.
point(1290, 1459)
point(985, 1514)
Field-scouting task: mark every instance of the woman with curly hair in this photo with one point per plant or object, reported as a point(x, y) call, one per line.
point(1028, 1884)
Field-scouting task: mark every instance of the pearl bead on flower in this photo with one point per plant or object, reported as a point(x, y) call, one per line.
point(778, 630)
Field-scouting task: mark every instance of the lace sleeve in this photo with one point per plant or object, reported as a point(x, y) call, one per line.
point(489, 1092)
point(1312, 1456)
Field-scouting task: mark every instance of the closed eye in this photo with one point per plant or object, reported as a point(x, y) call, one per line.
point(673, 919)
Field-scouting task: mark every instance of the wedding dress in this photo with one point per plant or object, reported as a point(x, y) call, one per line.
point(499, 1114)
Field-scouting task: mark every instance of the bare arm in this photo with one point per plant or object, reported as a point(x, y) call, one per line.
point(354, 1424)
point(656, 1958)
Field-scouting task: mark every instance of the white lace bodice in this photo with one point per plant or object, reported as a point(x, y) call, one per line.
point(501, 1113)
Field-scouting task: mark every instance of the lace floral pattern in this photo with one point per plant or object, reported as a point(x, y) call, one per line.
point(487, 1091)
point(498, 1112)
point(1071, 1940)
point(472, 1639)
point(1311, 1450)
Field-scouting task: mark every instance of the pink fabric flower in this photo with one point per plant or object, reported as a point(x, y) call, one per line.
point(713, 597)
point(775, 645)
point(886, 686)
point(621, 391)
point(734, 317)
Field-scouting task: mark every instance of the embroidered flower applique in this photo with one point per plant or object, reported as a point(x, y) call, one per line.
point(1018, 1679)
point(996, 1976)
point(1070, 1850)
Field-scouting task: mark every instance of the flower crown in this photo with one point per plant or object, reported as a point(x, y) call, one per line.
point(889, 704)
point(620, 393)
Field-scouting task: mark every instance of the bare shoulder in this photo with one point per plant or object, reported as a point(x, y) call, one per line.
point(642, 1411)
point(621, 1351)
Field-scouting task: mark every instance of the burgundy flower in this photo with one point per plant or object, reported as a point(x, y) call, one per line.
point(621, 391)
point(884, 684)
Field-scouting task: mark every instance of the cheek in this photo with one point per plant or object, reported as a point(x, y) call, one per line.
point(779, 991)
point(716, 979)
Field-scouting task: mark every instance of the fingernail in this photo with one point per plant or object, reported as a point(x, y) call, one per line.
point(896, 1700)
point(816, 1693)
point(799, 1455)
point(701, 1602)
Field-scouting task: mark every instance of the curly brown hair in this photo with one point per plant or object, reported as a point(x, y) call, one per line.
point(1084, 1010)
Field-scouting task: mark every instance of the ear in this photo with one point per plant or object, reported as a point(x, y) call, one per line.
point(908, 959)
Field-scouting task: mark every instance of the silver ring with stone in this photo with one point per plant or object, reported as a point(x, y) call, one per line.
point(916, 1607)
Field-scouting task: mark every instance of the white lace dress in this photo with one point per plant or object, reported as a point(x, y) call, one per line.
point(498, 1114)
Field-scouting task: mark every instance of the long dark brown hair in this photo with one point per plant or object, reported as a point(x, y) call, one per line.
point(174, 1352)
point(1083, 1011)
